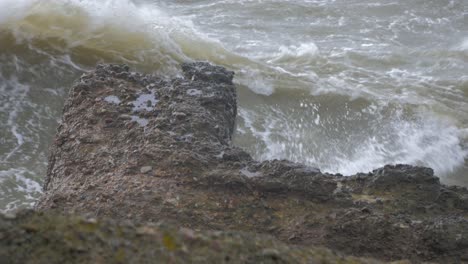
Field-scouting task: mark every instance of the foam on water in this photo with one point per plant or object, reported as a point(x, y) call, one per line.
point(428, 142)
point(382, 136)
point(120, 31)
point(11, 109)
point(19, 186)
point(305, 53)
point(26, 126)
point(18, 189)
point(117, 30)
point(463, 45)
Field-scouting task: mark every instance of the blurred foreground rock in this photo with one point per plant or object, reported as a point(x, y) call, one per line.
point(141, 148)
point(47, 238)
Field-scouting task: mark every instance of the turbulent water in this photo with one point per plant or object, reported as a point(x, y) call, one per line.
point(343, 85)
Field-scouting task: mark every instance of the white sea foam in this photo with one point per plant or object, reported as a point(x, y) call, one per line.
point(305, 53)
point(11, 109)
point(429, 142)
point(424, 140)
point(141, 34)
point(18, 189)
point(121, 31)
point(463, 45)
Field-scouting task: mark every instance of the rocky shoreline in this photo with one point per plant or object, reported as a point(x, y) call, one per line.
point(143, 149)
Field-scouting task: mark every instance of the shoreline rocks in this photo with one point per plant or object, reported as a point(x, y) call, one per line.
point(33, 237)
point(142, 148)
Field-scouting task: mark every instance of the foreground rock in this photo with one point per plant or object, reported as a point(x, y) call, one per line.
point(142, 148)
point(40, 238)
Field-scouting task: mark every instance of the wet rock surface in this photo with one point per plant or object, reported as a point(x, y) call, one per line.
point(146, 149)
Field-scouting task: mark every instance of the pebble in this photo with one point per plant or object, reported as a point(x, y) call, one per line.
point(146, 169)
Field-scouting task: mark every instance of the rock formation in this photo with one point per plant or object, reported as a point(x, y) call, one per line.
point(146, 149)
point(48, 238)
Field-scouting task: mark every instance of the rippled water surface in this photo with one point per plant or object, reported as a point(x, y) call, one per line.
point(344, 85)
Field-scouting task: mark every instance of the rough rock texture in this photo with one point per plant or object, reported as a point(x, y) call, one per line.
point(49, 239)
point(141, 148)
